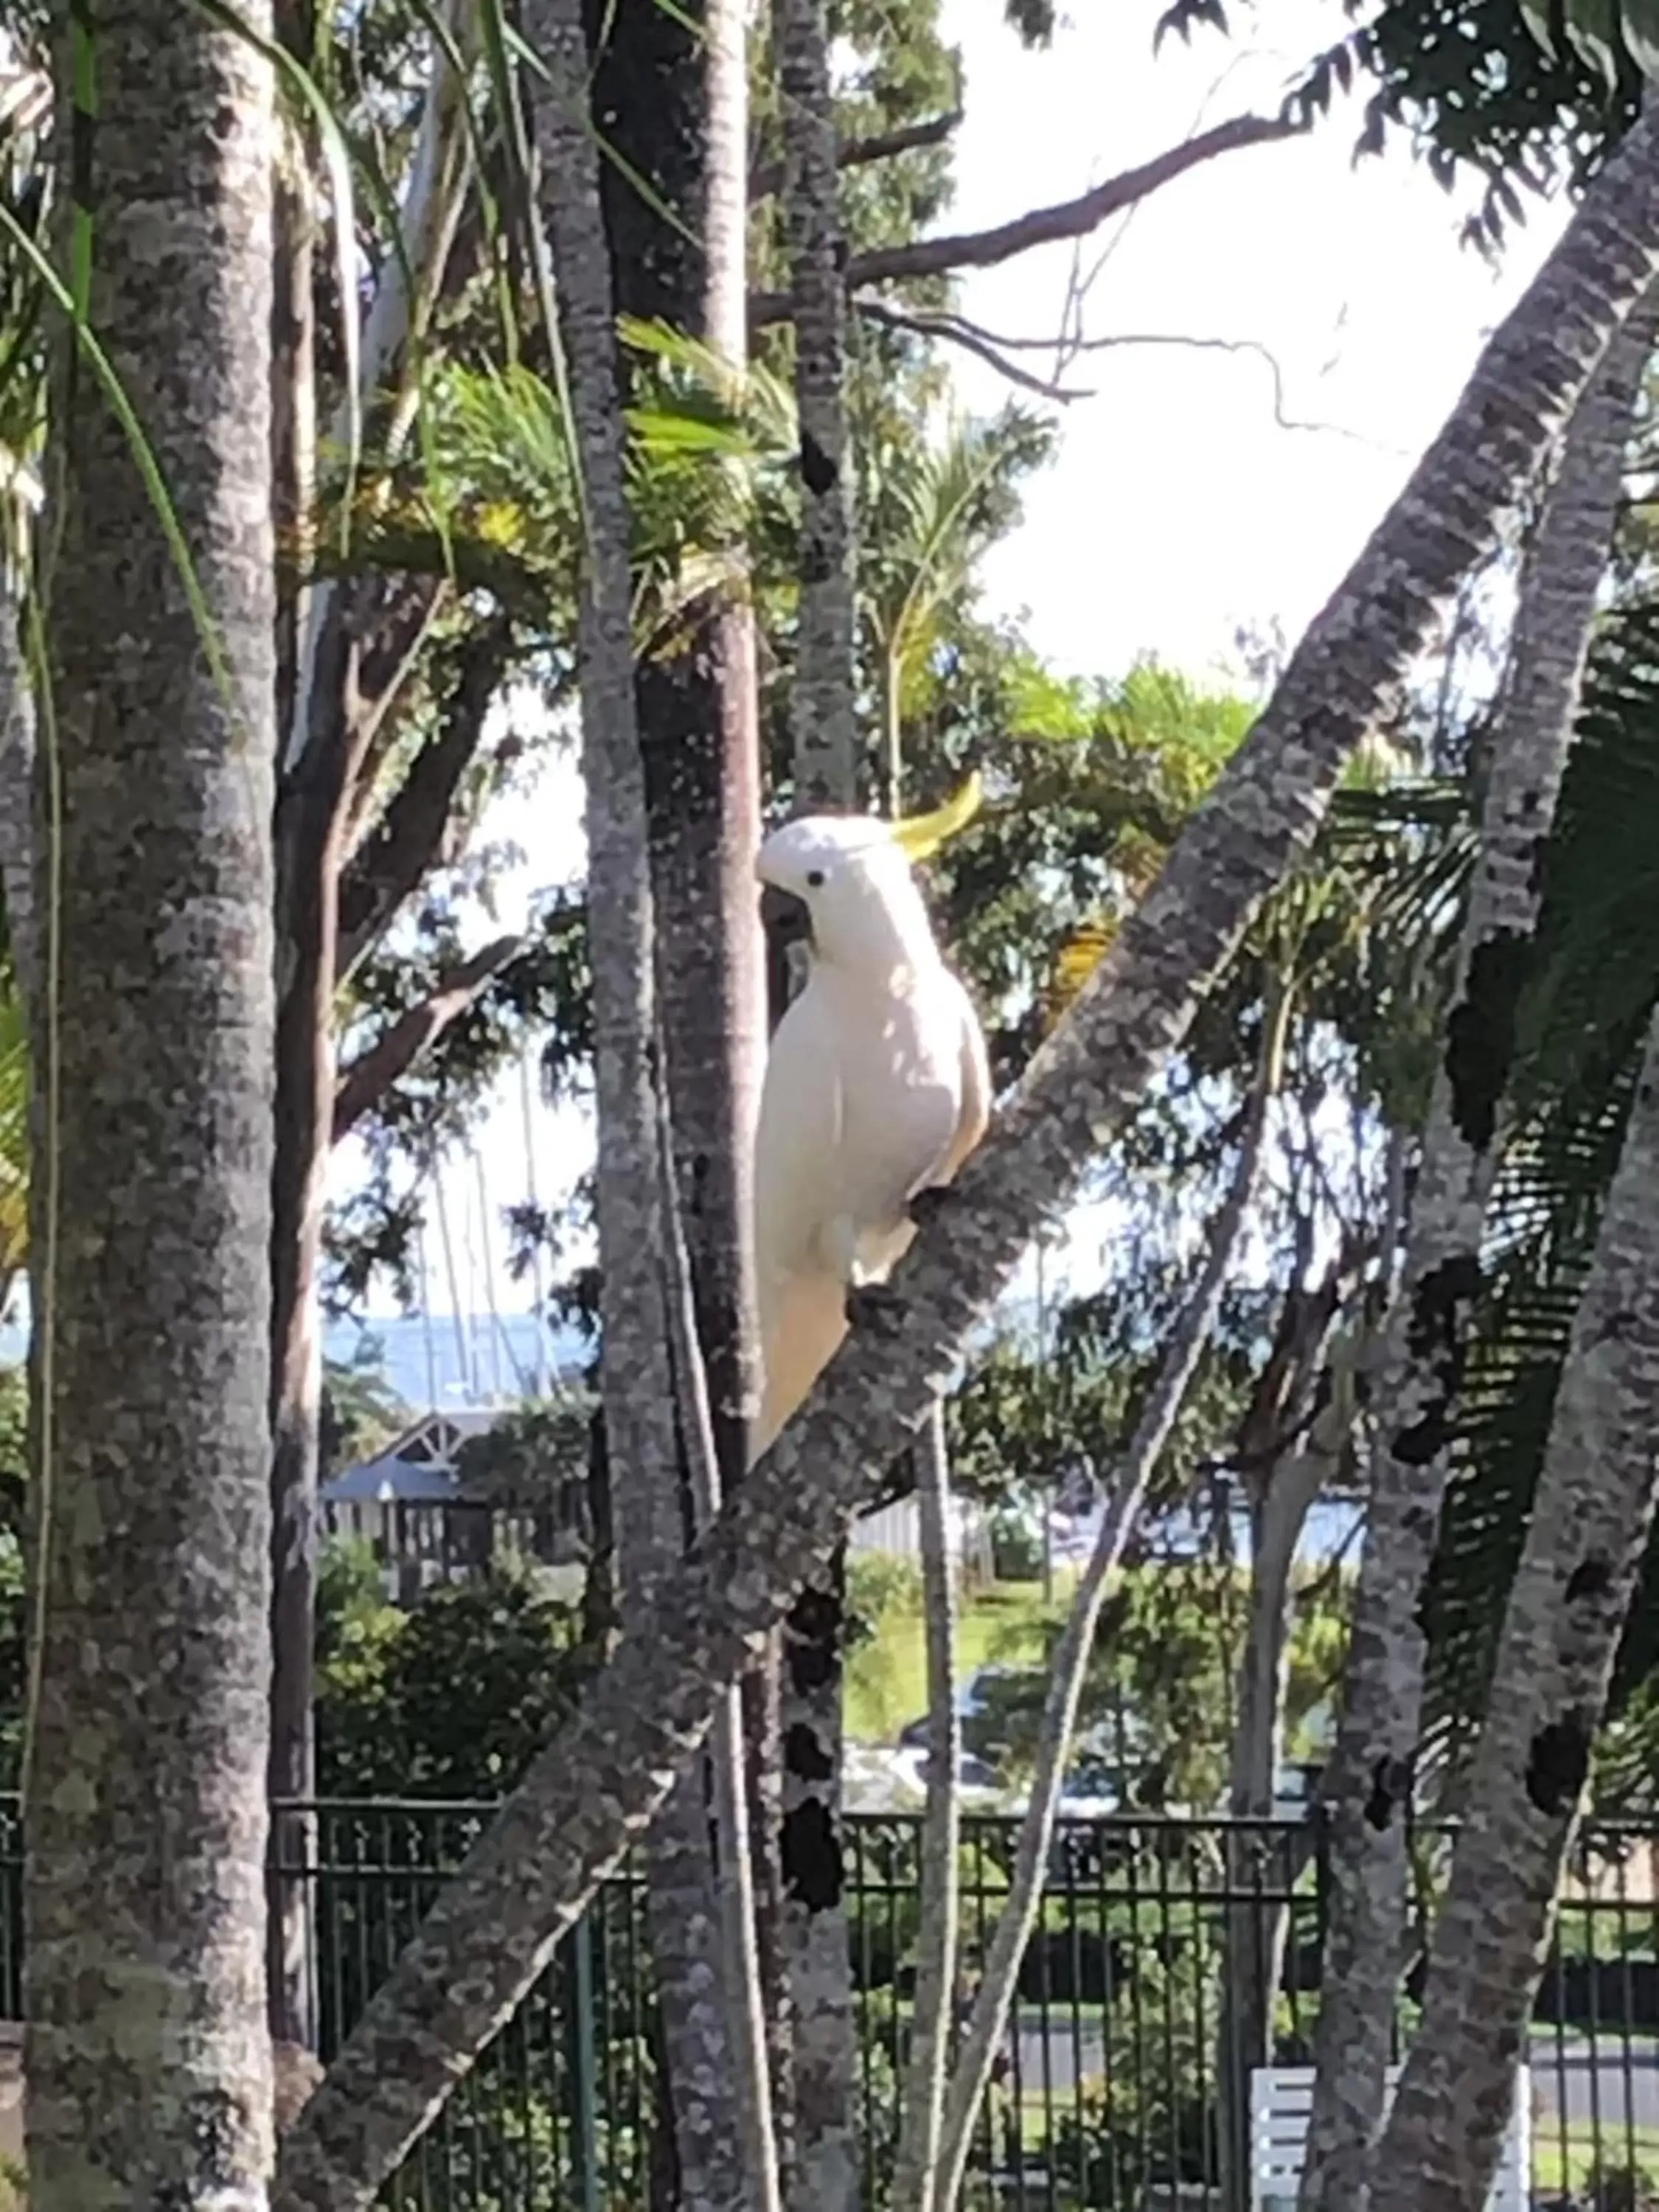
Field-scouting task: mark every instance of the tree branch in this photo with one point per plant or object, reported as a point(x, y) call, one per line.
point(994, 348)
point(984, 249)
point(858, 153)
point(406, 840)
point(597, 1785)
point(372, 1074)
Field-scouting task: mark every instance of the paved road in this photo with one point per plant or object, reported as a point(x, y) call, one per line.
point(1616, 2086)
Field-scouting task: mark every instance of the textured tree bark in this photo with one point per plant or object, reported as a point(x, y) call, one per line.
point(664, 105)
point(148, 2064)
point(697, 861)
point(1368, 1786)
point(815, 1948)
point(1584, 1544)
point(600, 1781)
point(825, 733)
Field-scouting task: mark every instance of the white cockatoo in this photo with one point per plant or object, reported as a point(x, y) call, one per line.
point(877, 1085)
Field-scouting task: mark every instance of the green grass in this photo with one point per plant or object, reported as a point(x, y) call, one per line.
point(887, 1679)
point(1562, 2161)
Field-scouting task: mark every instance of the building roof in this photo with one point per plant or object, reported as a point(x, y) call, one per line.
point(418, 1467)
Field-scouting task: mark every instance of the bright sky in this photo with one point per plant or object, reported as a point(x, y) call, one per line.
point(1178, 509)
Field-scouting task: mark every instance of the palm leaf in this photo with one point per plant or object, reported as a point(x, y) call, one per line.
point(1593, 984)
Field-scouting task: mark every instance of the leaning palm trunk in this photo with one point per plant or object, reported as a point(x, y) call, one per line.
point(916, 2170)
point(148, 2067)
point(990, 2018)
point(599, 1782)
point(1368, 1786)
point(1566, 1609)
point(817, 1952)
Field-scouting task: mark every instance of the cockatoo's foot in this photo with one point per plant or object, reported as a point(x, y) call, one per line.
point(924, 1206)
point(875, 1306)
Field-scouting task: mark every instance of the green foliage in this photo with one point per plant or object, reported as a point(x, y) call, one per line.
point(1590, 984)
point(532, 1454)
point(878, 1589)
point(360, 1410)
point(1158, 1700)
point(1471, 86)
point(451, 1699)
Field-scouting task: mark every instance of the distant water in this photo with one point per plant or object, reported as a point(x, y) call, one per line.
point(443, 1360)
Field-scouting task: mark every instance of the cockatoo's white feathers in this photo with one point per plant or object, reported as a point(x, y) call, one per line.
point(877, 1087)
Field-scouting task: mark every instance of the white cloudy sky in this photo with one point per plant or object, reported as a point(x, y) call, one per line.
point(1178, 509)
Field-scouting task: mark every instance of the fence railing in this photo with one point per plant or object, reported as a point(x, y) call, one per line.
point(1124, 2078)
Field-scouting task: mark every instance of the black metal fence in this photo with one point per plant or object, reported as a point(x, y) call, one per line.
point(1125, 2074)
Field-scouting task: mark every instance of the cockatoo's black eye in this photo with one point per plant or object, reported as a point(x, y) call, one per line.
point(815, 879)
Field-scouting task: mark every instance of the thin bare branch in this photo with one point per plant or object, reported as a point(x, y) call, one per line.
point(407, 839)
point(372, 1074)
point(859, 153)
point(984, 249)
point(996, 346)
point(958, 332)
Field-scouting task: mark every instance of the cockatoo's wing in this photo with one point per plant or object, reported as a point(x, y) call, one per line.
point(974, 1115)
point(797, 1139)
point(808, 1322)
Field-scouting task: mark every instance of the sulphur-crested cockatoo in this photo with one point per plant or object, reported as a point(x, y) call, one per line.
point(877, 1086)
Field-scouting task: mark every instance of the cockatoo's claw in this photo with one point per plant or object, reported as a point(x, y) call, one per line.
point(924, 1206)
point(874, 1306)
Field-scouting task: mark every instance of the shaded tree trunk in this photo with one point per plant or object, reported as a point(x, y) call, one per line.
point(1584, 1544)
point(344, 651)
point(600, 1781)
point(664, 108)
point(1369, 1785)
point(148, 2064)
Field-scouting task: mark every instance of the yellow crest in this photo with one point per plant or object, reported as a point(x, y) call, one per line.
point(920, 836)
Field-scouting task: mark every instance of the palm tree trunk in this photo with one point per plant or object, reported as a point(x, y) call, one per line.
point(1567, 1610)
point(671, 117)
point(592, 1789)
point(817, 1949)
point(825, 729)
point(702, 822)
point(148, 2065)
point(1368, 1784)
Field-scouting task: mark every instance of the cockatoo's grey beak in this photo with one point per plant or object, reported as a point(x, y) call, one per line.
point(786, 919)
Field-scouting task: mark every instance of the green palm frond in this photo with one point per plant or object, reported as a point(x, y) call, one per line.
point(493, 493)
point(1593, 984)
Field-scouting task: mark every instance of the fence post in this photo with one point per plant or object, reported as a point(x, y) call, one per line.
point(582, 1937)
